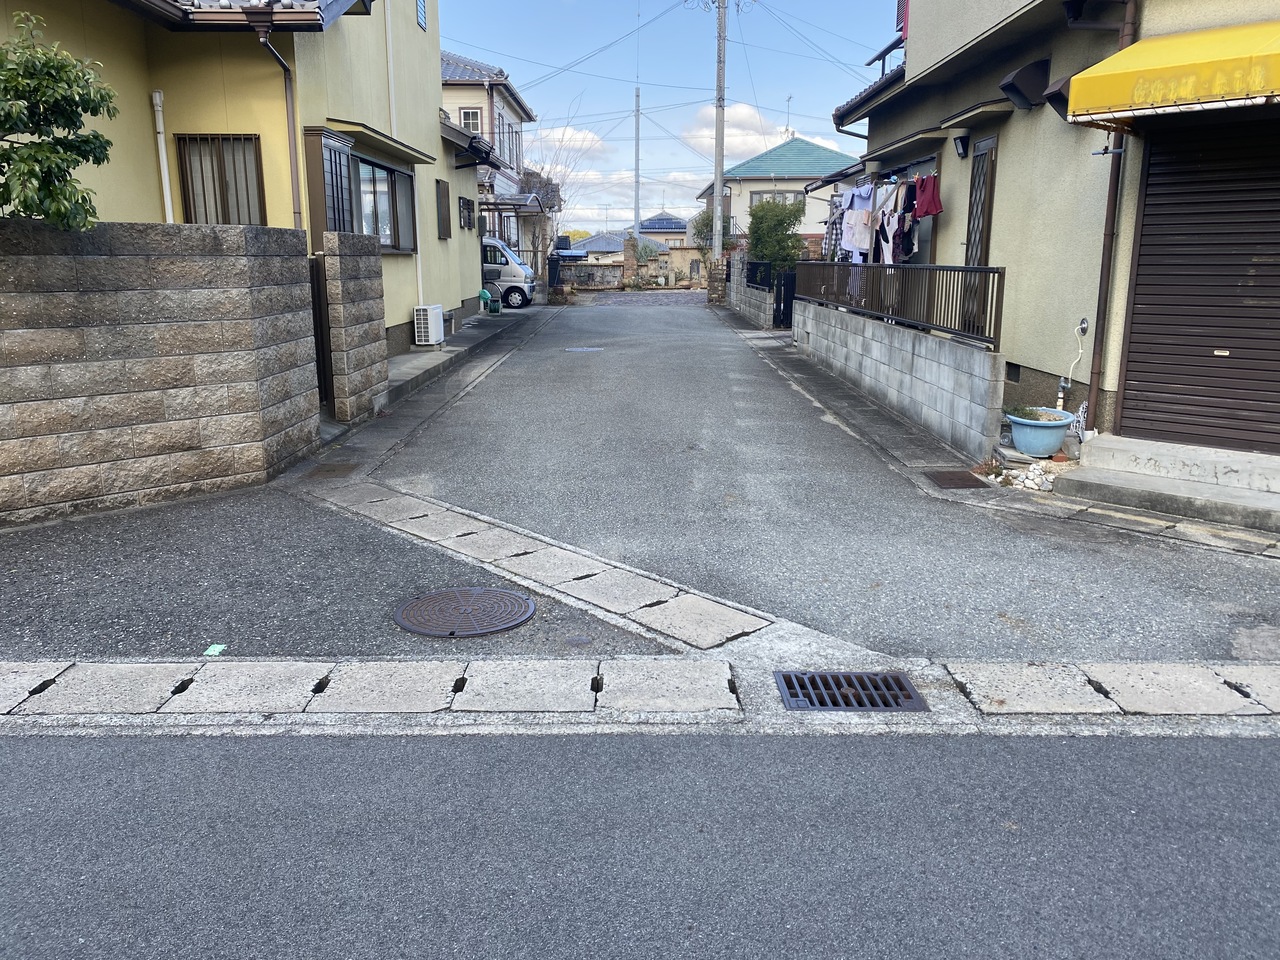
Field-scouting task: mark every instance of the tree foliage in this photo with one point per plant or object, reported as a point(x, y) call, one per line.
point(45, 95)
point(702, 224)
point(772, 234)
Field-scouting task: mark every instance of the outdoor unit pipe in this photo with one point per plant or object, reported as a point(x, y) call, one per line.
point(264, 34)
point(162, 147)
point(1127, 34)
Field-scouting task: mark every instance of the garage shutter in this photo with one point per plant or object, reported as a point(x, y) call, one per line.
point(1203, 359)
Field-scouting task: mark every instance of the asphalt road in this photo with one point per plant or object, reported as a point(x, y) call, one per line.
point(675, 448)
point(638, 847)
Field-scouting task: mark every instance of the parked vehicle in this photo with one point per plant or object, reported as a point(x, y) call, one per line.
point(505, 274)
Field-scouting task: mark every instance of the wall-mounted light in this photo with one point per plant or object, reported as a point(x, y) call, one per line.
point(960, 138)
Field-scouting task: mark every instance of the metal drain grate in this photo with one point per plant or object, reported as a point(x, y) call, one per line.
point(957, 480)
point(464, 612)
point(872, 692)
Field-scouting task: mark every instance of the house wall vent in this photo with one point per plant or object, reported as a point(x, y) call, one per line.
point(428, 325)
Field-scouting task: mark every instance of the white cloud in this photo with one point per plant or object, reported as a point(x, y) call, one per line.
point(564, 146)
point(746, 133)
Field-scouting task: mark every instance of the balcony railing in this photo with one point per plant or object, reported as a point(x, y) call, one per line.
point(965, 302)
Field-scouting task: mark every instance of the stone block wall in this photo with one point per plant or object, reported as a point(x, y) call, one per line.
point(357, 325)
point(716, 287)
point(144, 362)
point(953, 390)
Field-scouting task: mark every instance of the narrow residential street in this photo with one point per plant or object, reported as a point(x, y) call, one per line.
point(658, 436)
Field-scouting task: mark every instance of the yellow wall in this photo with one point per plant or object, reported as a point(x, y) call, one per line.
point(351, 72)
point(128, 186)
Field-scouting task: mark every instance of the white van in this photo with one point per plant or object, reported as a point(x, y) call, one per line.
point(505, 274)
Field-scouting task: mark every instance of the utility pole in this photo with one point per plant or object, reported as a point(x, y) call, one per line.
point(637, 163)
point(717, 203)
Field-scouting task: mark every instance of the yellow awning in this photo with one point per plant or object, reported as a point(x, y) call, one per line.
point(1181, 72)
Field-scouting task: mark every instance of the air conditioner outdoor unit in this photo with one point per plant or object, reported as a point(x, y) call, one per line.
point(428, 325)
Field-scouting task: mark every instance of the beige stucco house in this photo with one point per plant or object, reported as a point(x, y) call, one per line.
point(1118, 160)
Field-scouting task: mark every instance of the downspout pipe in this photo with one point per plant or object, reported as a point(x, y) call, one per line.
point(264, 34)
point(162, 147)
point(1128, 33)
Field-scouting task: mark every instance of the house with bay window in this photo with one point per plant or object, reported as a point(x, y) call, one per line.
point(1115, 160)
point(320, 115)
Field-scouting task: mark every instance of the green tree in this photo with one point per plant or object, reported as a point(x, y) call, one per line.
point(45, 94)
point(772, 234)
point(702, 239)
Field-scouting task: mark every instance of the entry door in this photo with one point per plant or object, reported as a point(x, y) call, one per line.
point(982, 188)
point(1202, 359)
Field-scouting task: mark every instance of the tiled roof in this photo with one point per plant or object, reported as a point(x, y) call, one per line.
point(455, 67)
point(851, 110)
point(663, 223)
point(611, 242)
point(796, 157)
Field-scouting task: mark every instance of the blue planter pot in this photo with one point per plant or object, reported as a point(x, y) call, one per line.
point(1041, 438)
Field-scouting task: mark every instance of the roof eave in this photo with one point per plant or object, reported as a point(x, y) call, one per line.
point(878, 93)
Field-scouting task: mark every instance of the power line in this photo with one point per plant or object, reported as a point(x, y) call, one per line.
point(601, 49)
point(862, 78)
point(581, 73)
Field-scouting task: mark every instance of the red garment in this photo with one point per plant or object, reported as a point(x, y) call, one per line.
point(928, 200)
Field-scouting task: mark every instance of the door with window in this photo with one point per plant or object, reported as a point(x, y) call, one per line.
point(977, 247)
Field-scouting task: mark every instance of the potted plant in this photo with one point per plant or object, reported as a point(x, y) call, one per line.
point(1039, 431)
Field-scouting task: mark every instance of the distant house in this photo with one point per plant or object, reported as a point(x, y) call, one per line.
point(663, 264)
point(782, 174)
point(665, 228)
point(481, 99)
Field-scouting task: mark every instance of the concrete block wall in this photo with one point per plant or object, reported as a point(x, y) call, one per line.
point(754, 304)
point(357, 325)
point(145, 362)
point(953, 390)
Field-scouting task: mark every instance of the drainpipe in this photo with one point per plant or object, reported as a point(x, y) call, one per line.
point(162, 147)
point(1128, 32)
point(264, 33)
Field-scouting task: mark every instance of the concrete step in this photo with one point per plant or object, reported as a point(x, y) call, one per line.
point(1258, 510)
point(1177, 461)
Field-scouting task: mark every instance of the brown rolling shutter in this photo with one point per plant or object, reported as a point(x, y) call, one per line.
point(1203, 355)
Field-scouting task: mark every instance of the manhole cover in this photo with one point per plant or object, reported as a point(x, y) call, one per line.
point(957, 480)
point(583, 349)
point(872, 692)
point(464, 612)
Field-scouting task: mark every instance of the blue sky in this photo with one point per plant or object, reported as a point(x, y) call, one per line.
point(812, 51)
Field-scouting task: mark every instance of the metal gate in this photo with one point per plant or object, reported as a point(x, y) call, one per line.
point(1202, 358)
point(320, 318)
point(784, 298)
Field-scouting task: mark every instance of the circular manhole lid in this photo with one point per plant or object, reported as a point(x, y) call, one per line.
point(464, 612)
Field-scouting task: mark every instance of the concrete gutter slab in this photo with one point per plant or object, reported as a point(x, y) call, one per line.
point(666, 685)
point(17, 680)
point(396, 508)
point(996, 688)
point(1243, 541)
point(110, 688)
point(698, 621)
point(1170, 689)
point(538, 686)
point(619, 590)
point(1143, 523)
point(1262, 682)
point(389, 687)
point(352, 494)
point(552, 565)
point(244, 687)
point(492, 544)
point(442, 525)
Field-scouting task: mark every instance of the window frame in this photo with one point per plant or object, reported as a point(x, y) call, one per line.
point(398, 179)
point(221, 199)
point(478, 116)
point(786, 196)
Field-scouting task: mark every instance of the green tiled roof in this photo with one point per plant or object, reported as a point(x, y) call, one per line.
point(796, 157)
